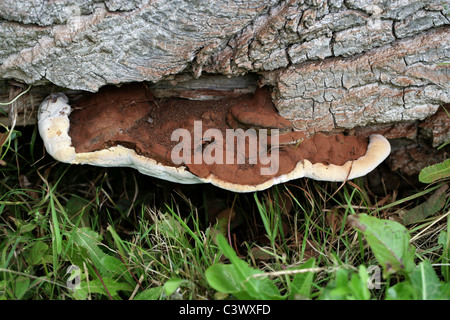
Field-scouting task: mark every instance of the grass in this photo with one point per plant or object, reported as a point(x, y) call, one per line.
point(80, 232)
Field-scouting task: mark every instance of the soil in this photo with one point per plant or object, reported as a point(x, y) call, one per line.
point(130, 116)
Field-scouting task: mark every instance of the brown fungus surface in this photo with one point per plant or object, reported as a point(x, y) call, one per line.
point(130, 116)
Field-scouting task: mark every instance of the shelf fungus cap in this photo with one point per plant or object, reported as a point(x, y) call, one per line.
point(123, 140)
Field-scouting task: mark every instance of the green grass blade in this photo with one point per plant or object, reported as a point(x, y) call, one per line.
point(56, 229)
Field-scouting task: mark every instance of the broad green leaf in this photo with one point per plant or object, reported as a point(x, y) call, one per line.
point(238, 278)
point(302, 282)
point(426, 283)
point(21, 286)
point(435, 172)
point(37, 252)
point(97, 286)
point(150, 294)
point(401, 291)
point(260, 287)
point(422, 284)
point(343, 288)
point(337, 289)
point(172, 285)
point(389, 241)
point(108, 266)
point(358, 284)
point(433, 205)
point(112, 267)
point(27, 227)
point(224, 278)
point(90, 240)
point(76, 206)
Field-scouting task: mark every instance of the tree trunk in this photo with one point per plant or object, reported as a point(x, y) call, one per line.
point(344, 65)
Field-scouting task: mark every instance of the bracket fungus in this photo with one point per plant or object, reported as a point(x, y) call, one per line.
point(236, 143)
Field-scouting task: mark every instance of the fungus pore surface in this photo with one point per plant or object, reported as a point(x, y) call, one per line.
point(237, 143)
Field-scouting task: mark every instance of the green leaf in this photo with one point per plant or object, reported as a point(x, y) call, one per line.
point(108, 266)
point(389, 241)
point(302, 282)
point(37, 252)
point(172, 285)
point(150, 294)
point(341, 288)
point(76, 206)
point(97, 286)
point(435, 172)
point(89, 240)
point(401, 291)
point(422, 284)
point(21, 286)
point(225, 279)
point(433, 205)
point(27, 227)
point(238, 278)
point(112, 267)
point(337, 289)
point(358, 284)
point(426, 283)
